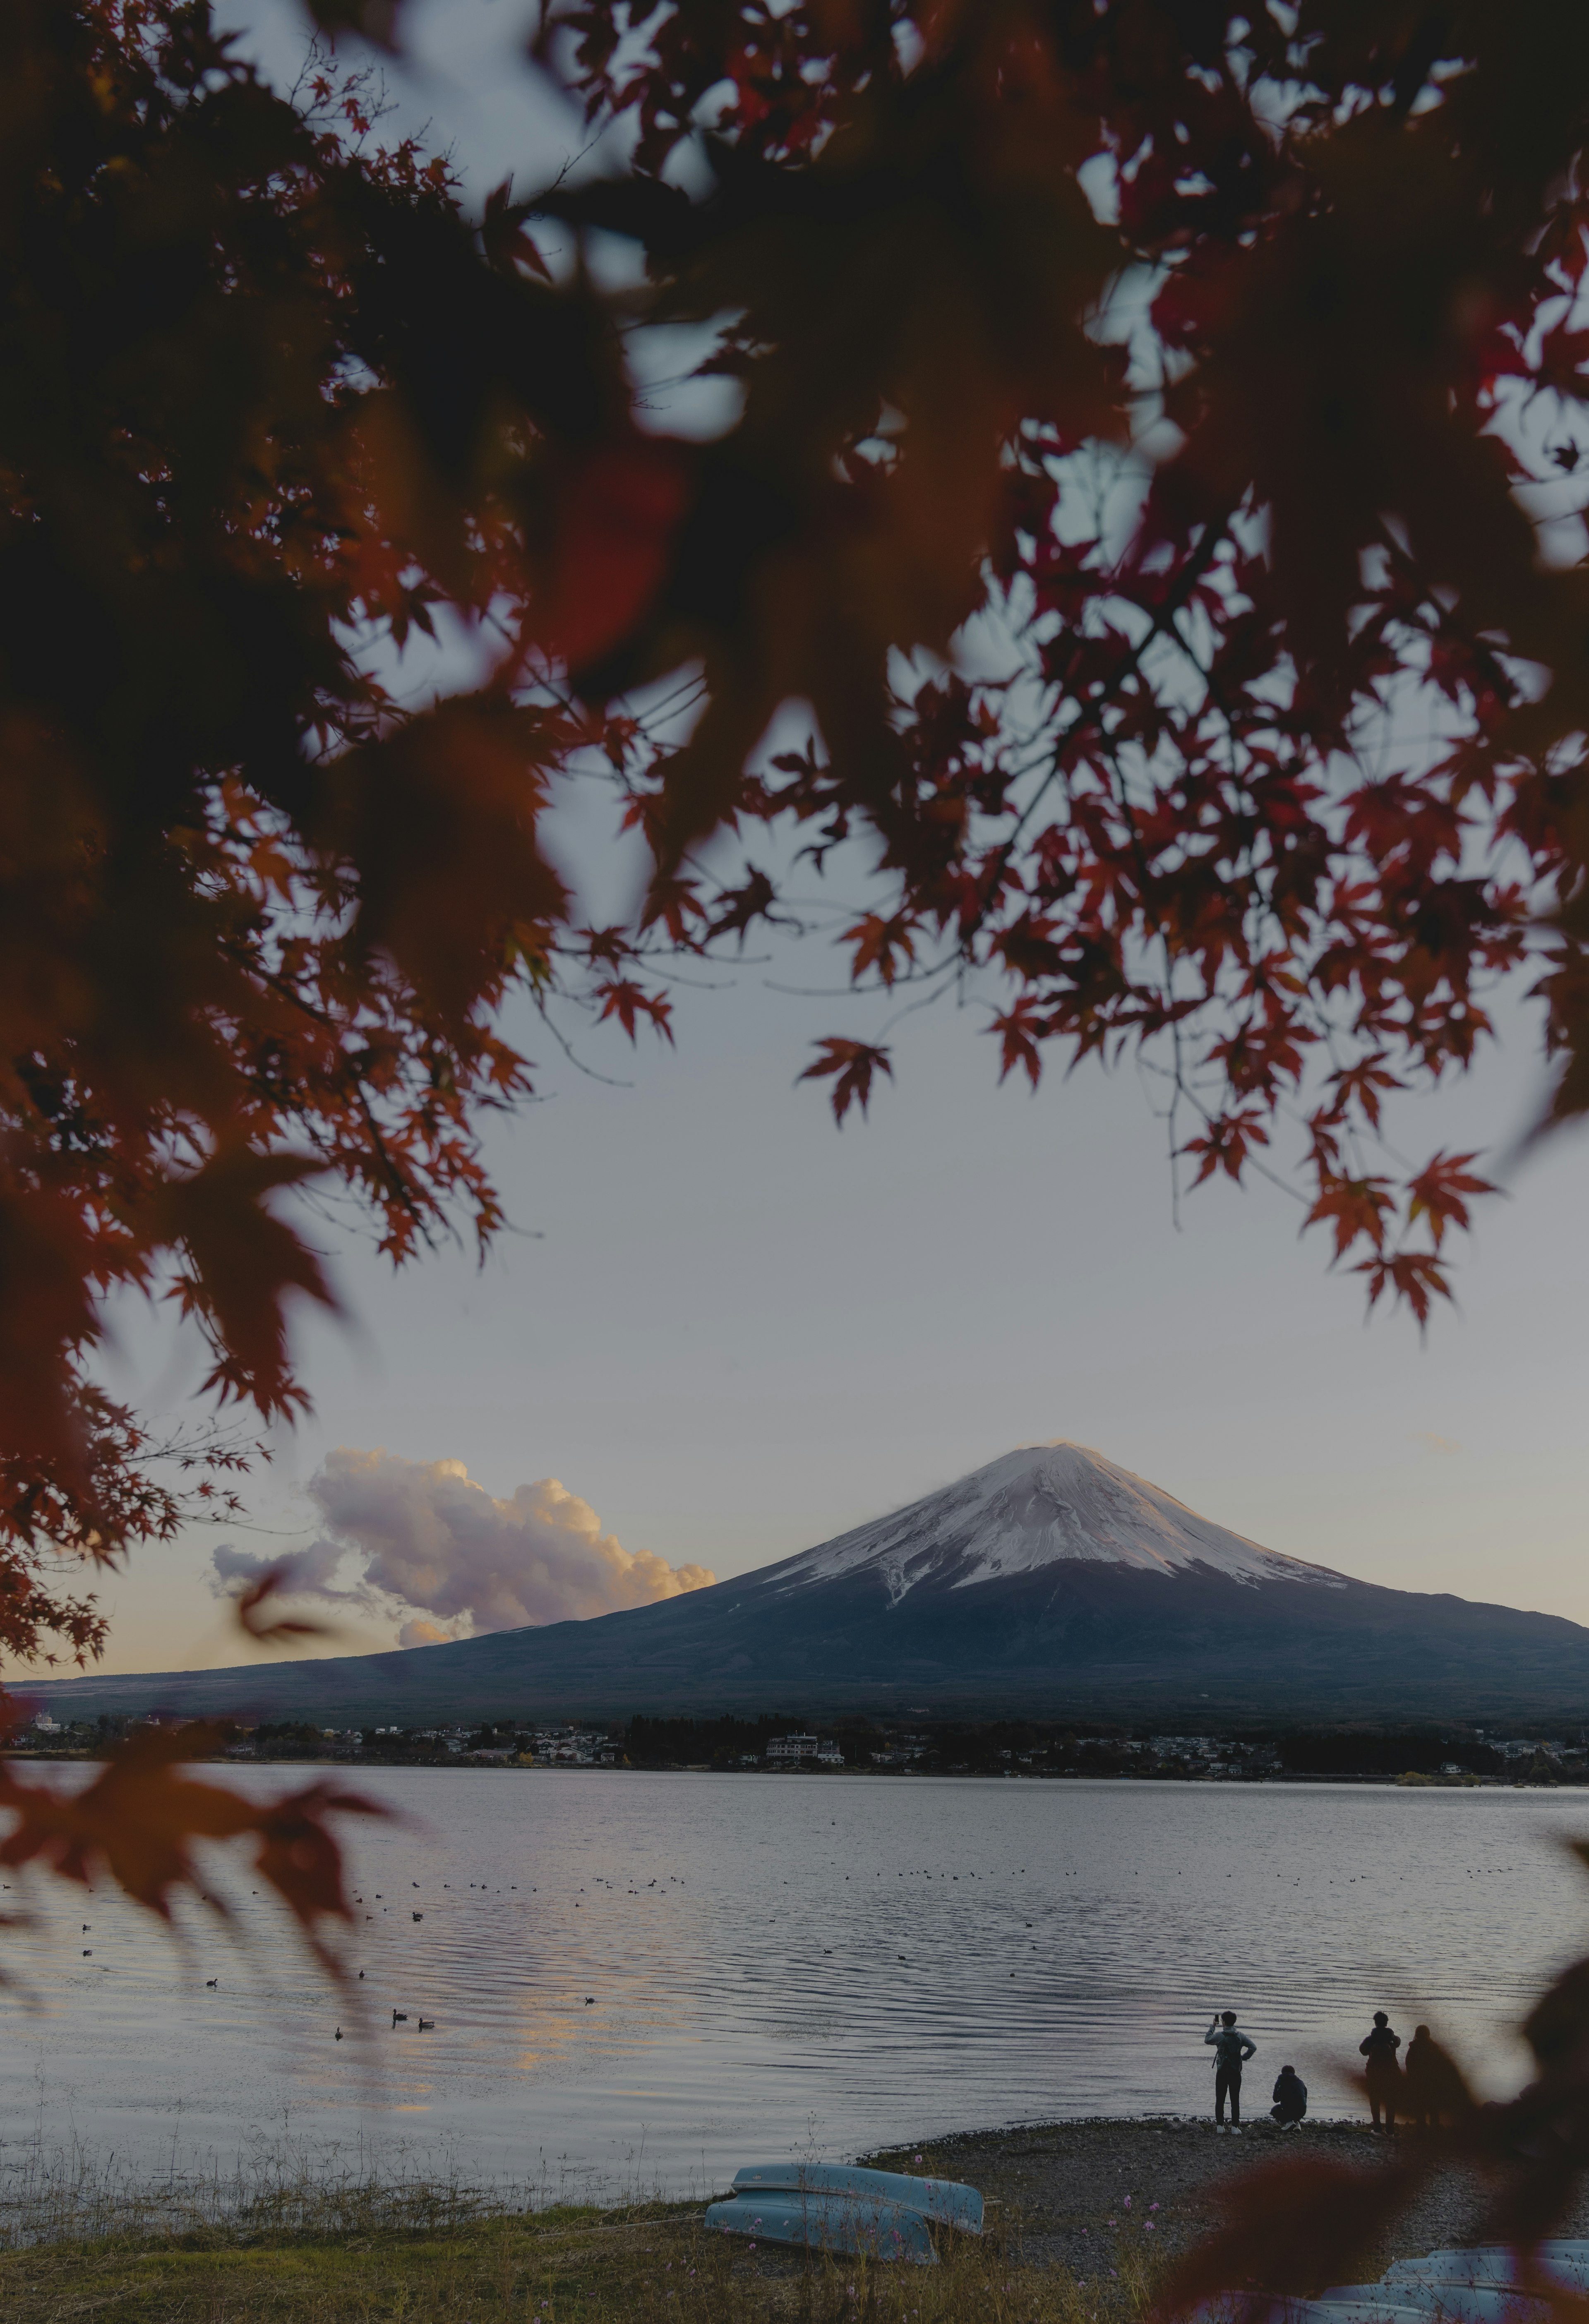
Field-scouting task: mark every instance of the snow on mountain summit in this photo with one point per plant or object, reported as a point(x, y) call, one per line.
point(1042, 1506)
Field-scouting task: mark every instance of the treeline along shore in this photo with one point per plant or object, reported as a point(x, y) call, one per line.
point(1453, 1755)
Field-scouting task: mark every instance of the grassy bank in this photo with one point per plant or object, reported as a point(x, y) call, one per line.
point(569, 2265)
point(1083, 2216)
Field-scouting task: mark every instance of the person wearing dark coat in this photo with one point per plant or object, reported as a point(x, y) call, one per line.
point(1290, 2099)
point(1434, 2087)
point(1382, 2073)
point(1232, 2050)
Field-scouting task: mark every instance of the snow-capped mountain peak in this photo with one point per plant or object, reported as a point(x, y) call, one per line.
point(1045, 1504)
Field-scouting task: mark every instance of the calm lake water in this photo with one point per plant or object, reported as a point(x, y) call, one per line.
point(643, 1981)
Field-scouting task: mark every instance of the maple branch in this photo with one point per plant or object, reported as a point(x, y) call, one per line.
point(1090, 713)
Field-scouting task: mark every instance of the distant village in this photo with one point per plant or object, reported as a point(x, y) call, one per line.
point(1017, 1750)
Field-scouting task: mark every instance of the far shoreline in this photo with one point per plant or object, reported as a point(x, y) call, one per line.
point(1572, 1781)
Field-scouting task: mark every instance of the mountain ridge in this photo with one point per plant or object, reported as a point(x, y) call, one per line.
point(1048, 1504)
point(1049, 1583)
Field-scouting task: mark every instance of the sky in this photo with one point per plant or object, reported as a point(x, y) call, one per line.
point(728, 1330)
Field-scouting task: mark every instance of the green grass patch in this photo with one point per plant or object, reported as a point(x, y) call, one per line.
point(573, 2264)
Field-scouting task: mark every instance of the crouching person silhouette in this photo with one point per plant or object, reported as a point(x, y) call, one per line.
point(1290, 2099)
point(1230, 2051)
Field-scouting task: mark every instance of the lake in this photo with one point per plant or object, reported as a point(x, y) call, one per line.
point(640, 1981)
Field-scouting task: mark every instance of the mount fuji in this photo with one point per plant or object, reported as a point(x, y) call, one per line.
point(1050, 1583)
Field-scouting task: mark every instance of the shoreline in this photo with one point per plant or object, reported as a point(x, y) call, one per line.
point(1573, 1781)
point(1063, 2185)
point(1065, 2190)
point(1083, 2217)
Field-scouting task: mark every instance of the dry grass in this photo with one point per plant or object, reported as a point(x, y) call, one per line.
point(449, 2261)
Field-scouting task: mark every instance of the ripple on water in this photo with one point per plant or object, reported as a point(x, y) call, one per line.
point(652, 1975)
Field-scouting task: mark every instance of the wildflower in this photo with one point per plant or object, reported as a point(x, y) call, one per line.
point(1152, 2207)
point(918, 2158)
point(1128, 2202)
point(1148, 2224)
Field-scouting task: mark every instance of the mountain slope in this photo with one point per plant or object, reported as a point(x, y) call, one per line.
point(1050, 1583)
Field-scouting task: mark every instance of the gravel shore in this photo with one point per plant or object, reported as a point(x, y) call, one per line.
point(1061, 2187)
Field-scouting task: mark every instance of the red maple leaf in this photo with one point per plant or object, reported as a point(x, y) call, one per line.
point(853, 1064)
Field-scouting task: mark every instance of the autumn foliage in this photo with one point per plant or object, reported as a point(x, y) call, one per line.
point(1151, 519)
point(137, 1825)
point(1153, 480)
point(1223, 368)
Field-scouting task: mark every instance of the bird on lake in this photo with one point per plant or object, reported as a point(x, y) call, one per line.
point(88, 1952)
point(210, 1983)
point(427, 2025)
point(400, 2017)
point(419, 1916)
point(590, 2001)
point(339, 2032)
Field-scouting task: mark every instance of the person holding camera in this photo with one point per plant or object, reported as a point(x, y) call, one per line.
point(1382, 2074)
point(1230, 2051)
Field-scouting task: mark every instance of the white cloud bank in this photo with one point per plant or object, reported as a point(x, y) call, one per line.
point(426, 1537)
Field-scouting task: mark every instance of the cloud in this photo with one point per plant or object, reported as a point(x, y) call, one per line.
point(1433, 1443)
point(304, 1573)
point(420, 1633)
point(423, 1535)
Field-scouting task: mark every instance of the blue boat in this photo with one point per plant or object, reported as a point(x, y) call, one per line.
point(1481, 2285)
point(1379, 2306)
point(1488, 2303)
point(1563, 2260)
point(945, 2200)
point(860, 2224)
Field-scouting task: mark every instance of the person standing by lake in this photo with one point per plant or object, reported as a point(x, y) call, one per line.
point(1433, 2088)
point(1382, 2073)
point(1230, 2051)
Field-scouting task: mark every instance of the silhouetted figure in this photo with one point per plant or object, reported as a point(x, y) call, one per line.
point(1383, 2074)
point(1230, 2051)
point(1434, 2089)
point(1290, 2099)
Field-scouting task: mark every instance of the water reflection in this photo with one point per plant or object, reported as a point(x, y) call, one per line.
point(646, 1977)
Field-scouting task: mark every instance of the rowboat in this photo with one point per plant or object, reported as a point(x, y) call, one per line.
point(1563, 2260)
point(855, 2224)
point(1251, 2308)
point(945, 2200)
point(1481, 2285)
point(841, 2207)
point(1457, 2302)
